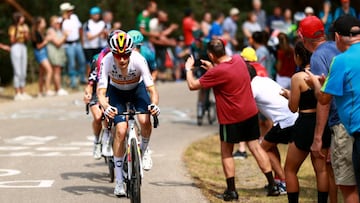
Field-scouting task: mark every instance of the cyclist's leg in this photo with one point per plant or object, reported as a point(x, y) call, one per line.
point(96, 123)
point(142, 100)
point(117, 99)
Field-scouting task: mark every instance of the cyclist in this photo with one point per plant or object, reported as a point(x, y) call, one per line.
point(91, 99)
point(130, 80)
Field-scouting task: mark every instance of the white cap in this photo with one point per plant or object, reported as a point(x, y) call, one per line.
point(66, 6)
point(309, 10)
point(234, 12)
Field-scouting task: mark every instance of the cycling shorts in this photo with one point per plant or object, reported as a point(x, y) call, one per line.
point(137, 96)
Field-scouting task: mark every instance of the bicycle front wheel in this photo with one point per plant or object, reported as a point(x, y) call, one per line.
point(135, 182)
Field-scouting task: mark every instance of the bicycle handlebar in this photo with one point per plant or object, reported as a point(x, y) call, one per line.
point(127, 113)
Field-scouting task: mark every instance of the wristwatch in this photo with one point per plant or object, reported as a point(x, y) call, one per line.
point(188, 69)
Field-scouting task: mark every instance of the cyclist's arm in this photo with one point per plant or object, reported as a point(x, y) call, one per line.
point(102, 84)
point(154, 95)
point(101, 93)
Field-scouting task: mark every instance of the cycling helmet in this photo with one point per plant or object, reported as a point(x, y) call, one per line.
point(120, 42)
point(137, 36)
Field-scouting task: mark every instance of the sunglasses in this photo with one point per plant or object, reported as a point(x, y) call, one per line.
point(121, 56)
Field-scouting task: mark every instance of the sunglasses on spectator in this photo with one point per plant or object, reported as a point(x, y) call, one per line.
point(122, 56)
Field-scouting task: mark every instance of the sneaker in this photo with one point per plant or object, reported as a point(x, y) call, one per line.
point(18, 97)
point(230, 195)
point(273, 191)
point(282, 188)
point(62, 92)
point(26, 96)
point(97, 151)
point(240, 155)
point(119, 189)
point(146, 160)
point(49, 93)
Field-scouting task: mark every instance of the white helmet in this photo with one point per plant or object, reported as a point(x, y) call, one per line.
point(120, 42)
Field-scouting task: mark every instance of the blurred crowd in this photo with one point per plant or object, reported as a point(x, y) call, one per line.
point(66, 44)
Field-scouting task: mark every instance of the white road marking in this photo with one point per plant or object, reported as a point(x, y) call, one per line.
point(8, 172)
point(12, 148)
point(30, 140)
point(57, 148)
point(26, 184)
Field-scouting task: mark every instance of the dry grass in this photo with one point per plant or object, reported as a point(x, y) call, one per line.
point(203, 161)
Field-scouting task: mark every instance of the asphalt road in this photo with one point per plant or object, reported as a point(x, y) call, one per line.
point(46, 151)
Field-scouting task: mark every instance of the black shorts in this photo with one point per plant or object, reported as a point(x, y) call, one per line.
point(303, 133)
point(246, 130)
point(279, 135)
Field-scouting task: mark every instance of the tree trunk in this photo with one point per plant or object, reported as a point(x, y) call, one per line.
point(18, 7)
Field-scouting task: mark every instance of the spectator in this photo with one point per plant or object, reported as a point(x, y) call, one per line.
point(309, 11)
point(326, 16)
point(275, 108)
point(162, 42)
point(74, 52)
point(341, 84)
point(205, 24)
point(344, 9)
point(311, 31)
point(216, 27)
point(229, 27)
point(285, 65)
point(275, 21)
point(19, 35)
point(260, 14)
point(302, 99)
point(249, 27)
point(236, 110)
point(107, 17)
point(189, 25)
point(249, 55)
point(289, 26)
point(143, 25)
point(5, 47)
point(181, 51)
point(93, 33)
point(56, 52)
point(262, 53)
point(40, 42)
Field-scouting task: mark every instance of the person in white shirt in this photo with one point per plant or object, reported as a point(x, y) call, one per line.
point(93, 33)
point(275, 108)
point(74, 52)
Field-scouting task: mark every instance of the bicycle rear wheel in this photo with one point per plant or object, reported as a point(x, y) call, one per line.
point(135, 182)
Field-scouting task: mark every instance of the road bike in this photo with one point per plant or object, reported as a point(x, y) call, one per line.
point(207, 106)
point(108, 157)
point(132, 165)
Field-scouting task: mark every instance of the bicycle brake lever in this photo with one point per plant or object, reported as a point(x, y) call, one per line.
point(87, 109)
point(110, 123)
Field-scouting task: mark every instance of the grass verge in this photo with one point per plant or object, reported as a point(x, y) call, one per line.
point(203, 161)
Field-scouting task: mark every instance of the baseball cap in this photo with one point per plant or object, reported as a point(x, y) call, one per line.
point(234, 12)
point(249, 54)
point(344, 24)
point(95, 10)
point(311, 27)
point(66, 6)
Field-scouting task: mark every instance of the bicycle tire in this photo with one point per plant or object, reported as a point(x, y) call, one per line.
point(211, 113)
point(111, 167)
point(135, 182)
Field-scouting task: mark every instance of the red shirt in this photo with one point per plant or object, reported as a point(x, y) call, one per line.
point(231, 84)
point(288, 65)
point(188, 23)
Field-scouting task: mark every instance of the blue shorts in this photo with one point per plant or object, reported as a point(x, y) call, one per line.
point(40, 54)
point(137, 96)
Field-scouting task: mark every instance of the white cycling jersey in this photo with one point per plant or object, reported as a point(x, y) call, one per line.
point(138, 71)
